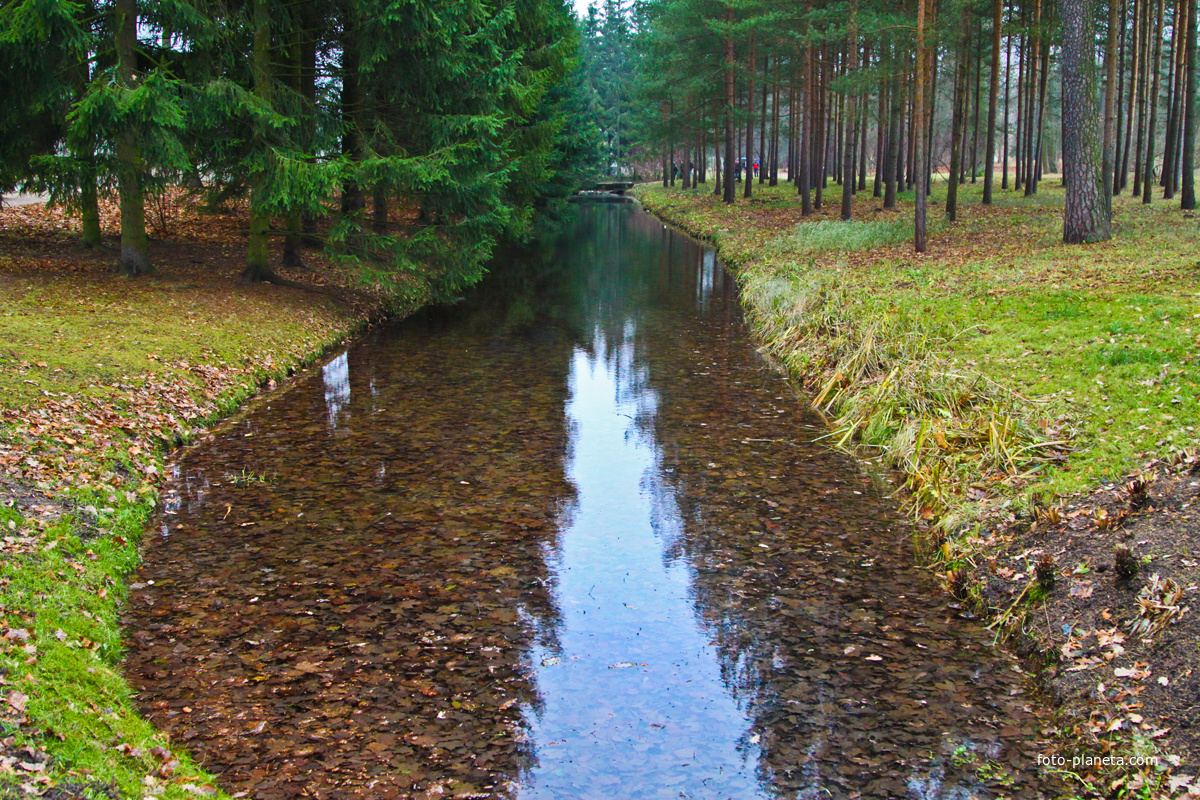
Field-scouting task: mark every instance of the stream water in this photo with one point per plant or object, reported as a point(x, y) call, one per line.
point(571, 538)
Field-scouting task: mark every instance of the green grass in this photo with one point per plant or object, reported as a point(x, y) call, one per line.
point(965, 365)
point(79, 334)
point(837, 236)
point(66, 595)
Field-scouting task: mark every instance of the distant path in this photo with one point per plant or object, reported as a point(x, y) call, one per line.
point(22, 199)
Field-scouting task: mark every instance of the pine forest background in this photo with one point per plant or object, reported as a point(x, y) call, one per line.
point(411, 138)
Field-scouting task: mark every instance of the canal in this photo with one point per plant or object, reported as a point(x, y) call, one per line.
point(569, 538)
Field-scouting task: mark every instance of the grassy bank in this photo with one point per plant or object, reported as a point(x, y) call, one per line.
point(100, 377)
point(1040, 403)
point(998, 366)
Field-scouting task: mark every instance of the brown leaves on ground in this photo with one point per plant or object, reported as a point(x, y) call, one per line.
point(1122, 649)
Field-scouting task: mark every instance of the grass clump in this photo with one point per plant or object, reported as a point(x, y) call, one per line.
point(883, 375)
point(839, 236)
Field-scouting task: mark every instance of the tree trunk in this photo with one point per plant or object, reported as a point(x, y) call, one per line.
point(1007, 89)
point(1022, 113)
point(793, 127)
point(1110, 107)
point(1187, 200)
point(820, 132)
point(379, 208)
point(919, 220)
point(1155, 70)
point(308, 97)
point(931, 76)
point(748, 190)
point(258, 266)
point(89, 197)
point(1038, 119)
point(762, 125)
point(1120, 134)
point(666, 167)
point(730, 194)
point(993, 96)
point(1167, 179)
point(1183, 24)
point(975, 103)
point(957, 123)
point(862, 133)
point(1143, 91)
point(776, 121)
point(893, 146)
point(89, 200)
point(851, 117)
point(718, 183)
point(135, 244)
point(1031, 71)
point(880, 141)
point(1086, 215)
point(298, 33)
point(353, 199)
point(672, 165)
point(909, 148)
point(804, 152)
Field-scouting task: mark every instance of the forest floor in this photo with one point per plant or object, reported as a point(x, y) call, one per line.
point(1039, 404)
point(101, 376)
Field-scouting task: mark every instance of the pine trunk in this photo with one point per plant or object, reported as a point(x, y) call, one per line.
point(989, 157)
point(1035, 164)
point(1029, 154)
point(1019, 134)
point(1110, 108)
point(1086, 216)
point(1154, 73)
point(804, 151)
point(851, 118)
point(135, 244)
point(1120, 135)
point(1143, 90)
point(893, 146)
point(1187, 200)
point(862, 138)
point(820, 138)
point(975, 102)
point(296, 54)
point(729, 194)
point(748, 189)
point(379, 209)
point(956, 125)
point(880, 141)
point(1167, 178)
point(762, 123)
point(919, 216)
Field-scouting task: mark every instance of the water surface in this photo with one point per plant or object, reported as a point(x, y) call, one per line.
point(571, 538)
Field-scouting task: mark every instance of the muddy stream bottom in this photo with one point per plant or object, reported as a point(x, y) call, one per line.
point(570, 538)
